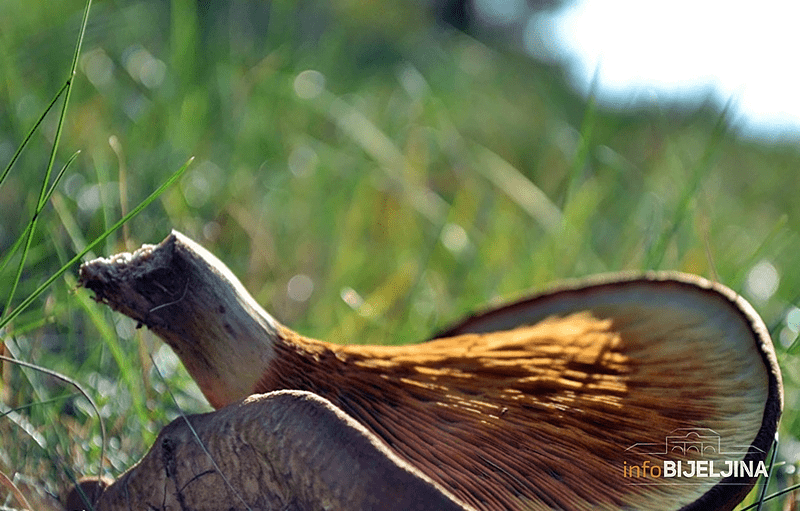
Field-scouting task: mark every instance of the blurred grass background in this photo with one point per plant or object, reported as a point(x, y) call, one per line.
point(369, 174)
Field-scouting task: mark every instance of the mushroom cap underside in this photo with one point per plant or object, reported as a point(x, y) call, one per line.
point(669, 399)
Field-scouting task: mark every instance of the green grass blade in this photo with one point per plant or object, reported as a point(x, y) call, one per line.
point(763, 494)
point(656, 253)
point(108, 335)
point(22, 237)
point(794, 348)
point(29, 136)
point(763, 497)
point(27, 234)
point(784, 491)
point(63, 115)
point(153, 196)
point(58, 178)
point(56, 139)
point(581, 159)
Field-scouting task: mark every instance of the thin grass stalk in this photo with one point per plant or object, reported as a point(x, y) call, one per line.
point(199, 441)
point(23, 236)
point(586, 137)
point(8, 483)
point(763, 493)
point(656, 253)
point(70, 381)
point(29, 136)
point(45, 182)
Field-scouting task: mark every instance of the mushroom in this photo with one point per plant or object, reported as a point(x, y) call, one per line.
point(626, 391)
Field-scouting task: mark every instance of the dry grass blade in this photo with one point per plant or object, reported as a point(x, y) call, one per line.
point(8, 483)
point(70, 381)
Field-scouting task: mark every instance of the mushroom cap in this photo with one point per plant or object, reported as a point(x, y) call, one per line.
point(286, 450)
point(694, 345)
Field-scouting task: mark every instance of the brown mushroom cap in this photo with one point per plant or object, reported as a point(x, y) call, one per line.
point(286, 450)
point(566, 400)
point(704, 355)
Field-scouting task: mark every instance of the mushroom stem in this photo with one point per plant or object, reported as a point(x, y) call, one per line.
point(190, 299)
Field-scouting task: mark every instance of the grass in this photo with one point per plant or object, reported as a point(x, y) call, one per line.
point(408, 173)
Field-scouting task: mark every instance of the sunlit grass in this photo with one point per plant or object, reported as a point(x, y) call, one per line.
point(408, 180)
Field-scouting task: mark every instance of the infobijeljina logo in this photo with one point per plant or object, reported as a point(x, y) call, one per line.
point(696, 453)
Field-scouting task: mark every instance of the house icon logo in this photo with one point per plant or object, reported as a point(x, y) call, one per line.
point(691, 442)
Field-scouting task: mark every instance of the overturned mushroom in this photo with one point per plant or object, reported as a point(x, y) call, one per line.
point(656, 391)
